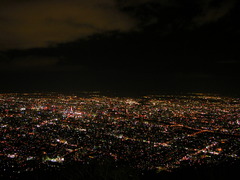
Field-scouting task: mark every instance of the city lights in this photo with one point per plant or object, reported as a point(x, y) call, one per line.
point(155, 132)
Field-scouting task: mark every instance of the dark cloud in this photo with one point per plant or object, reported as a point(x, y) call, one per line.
point(119, 43)
point(183, 14)
point(29, 63)
point(235, 62)
point(213, 11)
point(28, 24)
point(40, 23)
point(33, 64)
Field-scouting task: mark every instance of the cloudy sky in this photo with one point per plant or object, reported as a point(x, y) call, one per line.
point(40, 23)
point(119, 44)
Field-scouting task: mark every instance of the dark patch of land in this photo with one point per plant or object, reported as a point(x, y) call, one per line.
point(109, 170)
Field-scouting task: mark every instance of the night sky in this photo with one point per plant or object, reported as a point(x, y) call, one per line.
point(120, 45)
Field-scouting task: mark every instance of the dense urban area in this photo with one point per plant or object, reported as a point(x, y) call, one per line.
point(154, 132)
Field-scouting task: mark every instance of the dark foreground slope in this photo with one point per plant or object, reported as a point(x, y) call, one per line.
point(108, 170)
point(226, 170)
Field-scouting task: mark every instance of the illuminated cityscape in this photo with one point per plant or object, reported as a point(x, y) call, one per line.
point(154, 132)
point(119, 89)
